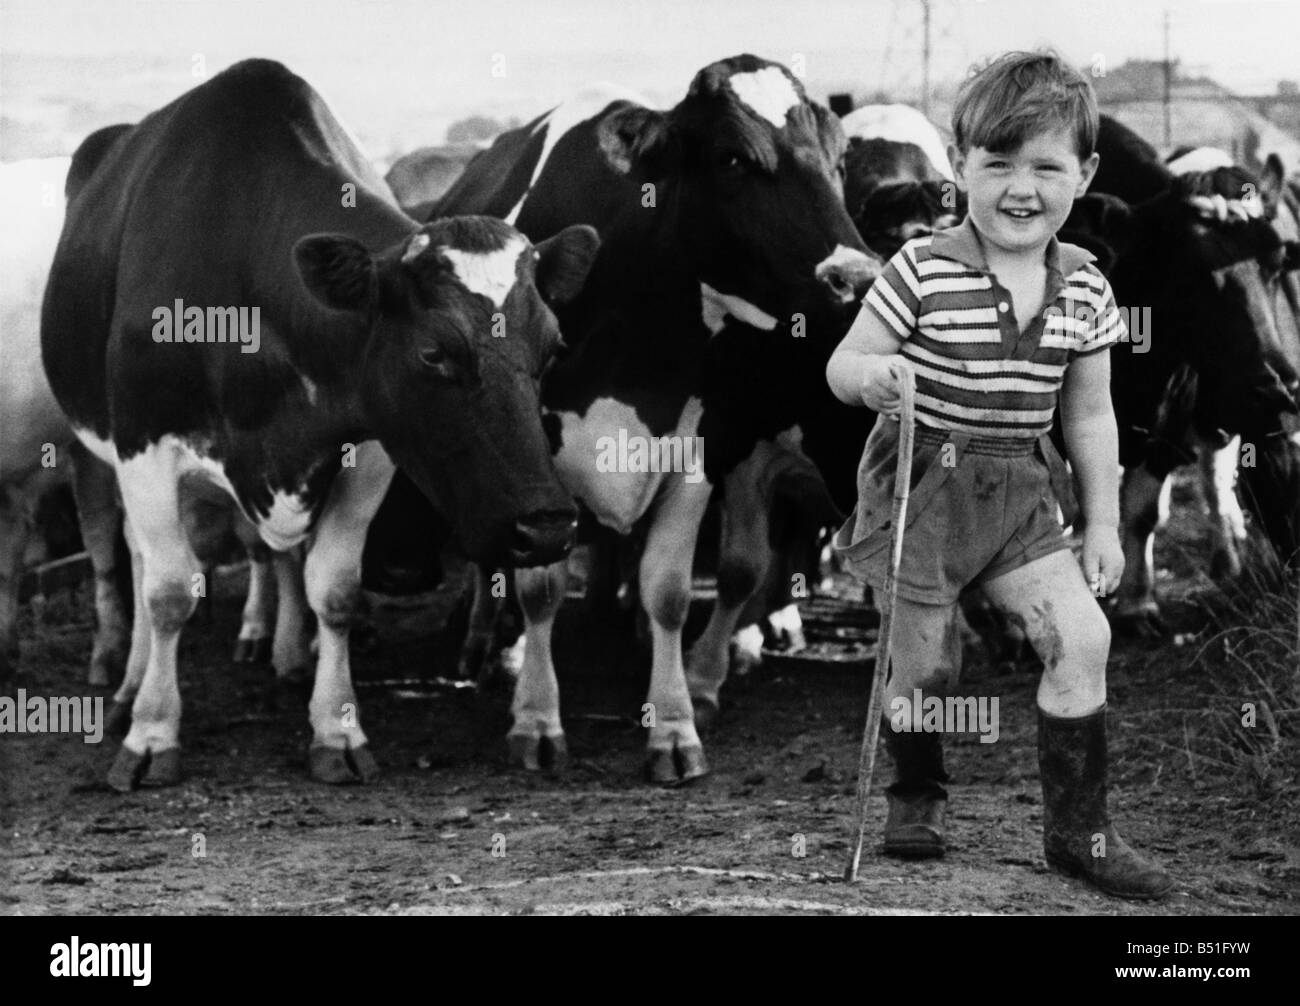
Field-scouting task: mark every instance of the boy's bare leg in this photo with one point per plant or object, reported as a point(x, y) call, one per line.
point(926, 654)
point(1070, 634)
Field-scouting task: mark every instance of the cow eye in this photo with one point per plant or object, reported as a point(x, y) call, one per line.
point(437, 360)
point(732, 162)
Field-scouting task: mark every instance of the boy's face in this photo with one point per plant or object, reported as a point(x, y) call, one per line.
point(1018, 200)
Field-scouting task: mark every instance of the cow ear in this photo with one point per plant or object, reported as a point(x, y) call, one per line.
point(339, 271)
point(1272, 178)
point(1291, 256)
point(564, 261)
point(635, 136)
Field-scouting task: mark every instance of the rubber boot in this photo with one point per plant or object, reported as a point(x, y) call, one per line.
point(917, 799)
point(1078, 838)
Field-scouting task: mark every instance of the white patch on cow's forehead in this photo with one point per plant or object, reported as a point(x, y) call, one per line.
point(1200, 159)
point(716, 306)
point(899, 124)
point(768, 92)
point(491, 274)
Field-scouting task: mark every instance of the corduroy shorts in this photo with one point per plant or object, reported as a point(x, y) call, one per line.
point(978, 508)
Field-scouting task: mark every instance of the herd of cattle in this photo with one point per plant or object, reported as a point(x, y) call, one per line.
point(701, 263)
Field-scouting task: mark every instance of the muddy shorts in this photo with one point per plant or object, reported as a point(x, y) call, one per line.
point(978, 508)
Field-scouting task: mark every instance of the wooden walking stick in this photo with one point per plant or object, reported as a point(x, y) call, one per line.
point(880, 676)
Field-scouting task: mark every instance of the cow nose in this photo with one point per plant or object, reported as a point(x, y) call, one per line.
point(543, 537)
point(847, 273)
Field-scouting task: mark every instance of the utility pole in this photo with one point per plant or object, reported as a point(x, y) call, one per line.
point(925, 59)
point(1169, 141)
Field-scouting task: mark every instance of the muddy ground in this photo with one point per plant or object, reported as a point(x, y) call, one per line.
point(450, 829)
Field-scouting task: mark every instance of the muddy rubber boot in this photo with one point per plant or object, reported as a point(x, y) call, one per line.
point(1078, 838)
point(917, 799)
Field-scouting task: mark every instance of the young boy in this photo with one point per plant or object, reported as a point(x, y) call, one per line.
point(995, 317)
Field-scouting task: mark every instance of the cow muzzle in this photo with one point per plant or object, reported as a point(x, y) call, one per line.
point(543, 537)
point(847, 274)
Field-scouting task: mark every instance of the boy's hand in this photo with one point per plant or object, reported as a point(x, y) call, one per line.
point(1102, 559)
point(880, 383)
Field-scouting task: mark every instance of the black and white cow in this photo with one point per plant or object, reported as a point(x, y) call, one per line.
point(727, 271)
point(1200, 269)
point(37, 448)
point(365, 338)
point(898, 183)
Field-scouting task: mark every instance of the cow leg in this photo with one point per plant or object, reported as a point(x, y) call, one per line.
point(339, 750)
point(118, 720)
point(150, 753)
point(253, 645)
point(15, 527)
point(794, 565)
point(743, 557)
point(1136, 610)
point(291, 649)
point(537, 737)
point(476, 654)
point(1227, 523)
point(100, 516)
point(675, 752)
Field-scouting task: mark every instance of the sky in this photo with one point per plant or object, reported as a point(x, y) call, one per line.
point(1245, 43)
point(373, 58)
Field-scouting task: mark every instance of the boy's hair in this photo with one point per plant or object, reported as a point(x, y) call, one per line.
point(1022, 94)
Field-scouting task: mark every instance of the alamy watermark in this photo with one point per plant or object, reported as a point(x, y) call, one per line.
point(39, 714)
point(1137, 323)
point(952, 714)
point(635, 453)
point(75, 959)
point(178, 323)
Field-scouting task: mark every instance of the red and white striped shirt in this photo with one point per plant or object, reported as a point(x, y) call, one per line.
point(975, 370)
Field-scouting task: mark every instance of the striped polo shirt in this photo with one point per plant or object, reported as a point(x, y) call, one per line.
point(975, 371)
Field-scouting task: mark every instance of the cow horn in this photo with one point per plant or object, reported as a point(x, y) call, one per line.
point(416, 248)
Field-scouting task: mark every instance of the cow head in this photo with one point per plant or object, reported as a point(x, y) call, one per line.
point(459, 333)
point(1208, 264)
point(893, 195)
point(747, 173)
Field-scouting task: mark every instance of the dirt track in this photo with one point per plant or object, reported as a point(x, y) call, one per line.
point(598, 840)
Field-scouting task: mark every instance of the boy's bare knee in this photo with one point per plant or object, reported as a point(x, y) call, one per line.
point(1089, 637)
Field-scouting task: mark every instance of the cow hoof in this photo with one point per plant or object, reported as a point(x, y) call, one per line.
point(127, 768)
point(253, 651)
point(472, 665)
point(706, 712)
point(118, 720)
point(340, 766)
point(164, 768)
point(131, 770)
point(534, 754)
point(363, 761)
point(676, 767)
